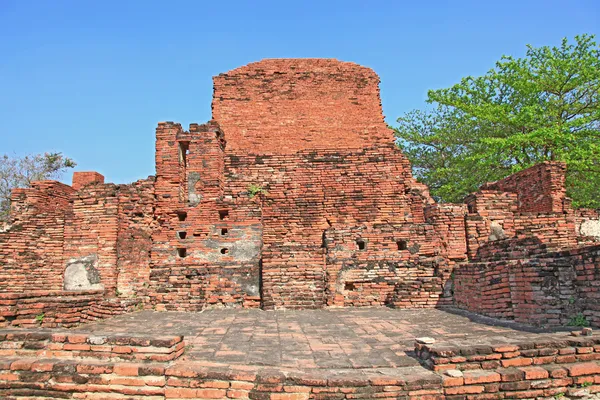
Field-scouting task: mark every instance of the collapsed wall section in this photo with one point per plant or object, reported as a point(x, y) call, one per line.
point(527, 249)
point(71, 256)
point(529, 204)
point(31, 249)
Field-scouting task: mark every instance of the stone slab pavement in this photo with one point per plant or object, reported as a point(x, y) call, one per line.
point(328, 338)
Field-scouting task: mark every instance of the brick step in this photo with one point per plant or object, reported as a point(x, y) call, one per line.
point(69, 344)
point(493, 353)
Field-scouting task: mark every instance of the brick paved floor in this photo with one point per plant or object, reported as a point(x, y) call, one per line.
point(329, 338)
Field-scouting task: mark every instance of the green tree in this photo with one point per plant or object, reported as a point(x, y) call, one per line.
point(19, 172)
point(544, 106)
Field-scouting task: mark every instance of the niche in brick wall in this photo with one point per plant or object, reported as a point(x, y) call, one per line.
point(361, 244)
point(184, 150)
point(181, 235)
point(224, 231)
point(402, 244)
point(181, 252)
point(181, 215)
point(223, 215)
point(224, 251)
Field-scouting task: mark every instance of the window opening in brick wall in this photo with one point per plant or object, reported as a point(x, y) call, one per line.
point(181, 235)
point(224, 231)
point(182, 215)
point(361, 244)
point(223, 214)
point(349, 286)
point(184, 150)
point(224, 251)
point(181, 252)
point(402, 244)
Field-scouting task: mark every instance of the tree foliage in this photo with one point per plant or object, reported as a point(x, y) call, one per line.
point(544, 106)
point(19, 172)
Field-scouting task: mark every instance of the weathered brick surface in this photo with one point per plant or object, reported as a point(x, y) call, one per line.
point(69, 345)
point(31, 250)
point(281, 106)
point(53, 308)
point(547, 289)
point(294, 196)
point(85, 379)
point(540, 189)
point(528, 260)
point(529, 369)
point(527, 354)
point(296, 242)
point(81, 179)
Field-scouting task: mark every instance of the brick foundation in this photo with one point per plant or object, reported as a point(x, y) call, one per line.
point(546, 367)
point(84, 366)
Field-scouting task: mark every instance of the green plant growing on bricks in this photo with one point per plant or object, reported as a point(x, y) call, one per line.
point(254, 190)
point(542, 107)
point(579, 320)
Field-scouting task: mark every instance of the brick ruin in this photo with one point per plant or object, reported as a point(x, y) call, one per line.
point(295, 196)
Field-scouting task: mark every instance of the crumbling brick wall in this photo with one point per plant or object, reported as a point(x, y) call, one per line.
point(531, 203)
point(91, 230)
point(134, 241)
point(542, 289)
point(523, 239)
point(31, 249)
point(539, 189)
point(294, 196)
point(93, 238)
point(300, 149)
point(205, 250)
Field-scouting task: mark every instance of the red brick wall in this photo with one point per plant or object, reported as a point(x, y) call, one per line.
point(543, 289)
point(80, 179)
point(91, 229)
point(313, 197)
point(308, 136)
point(539, 189)
point(216, 261)
point(134, 242)
point(31, 250)
point(281, 106)
point(486, 208)
point(51, 225)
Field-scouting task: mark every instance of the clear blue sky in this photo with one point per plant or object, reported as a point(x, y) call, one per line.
point(92, 78)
